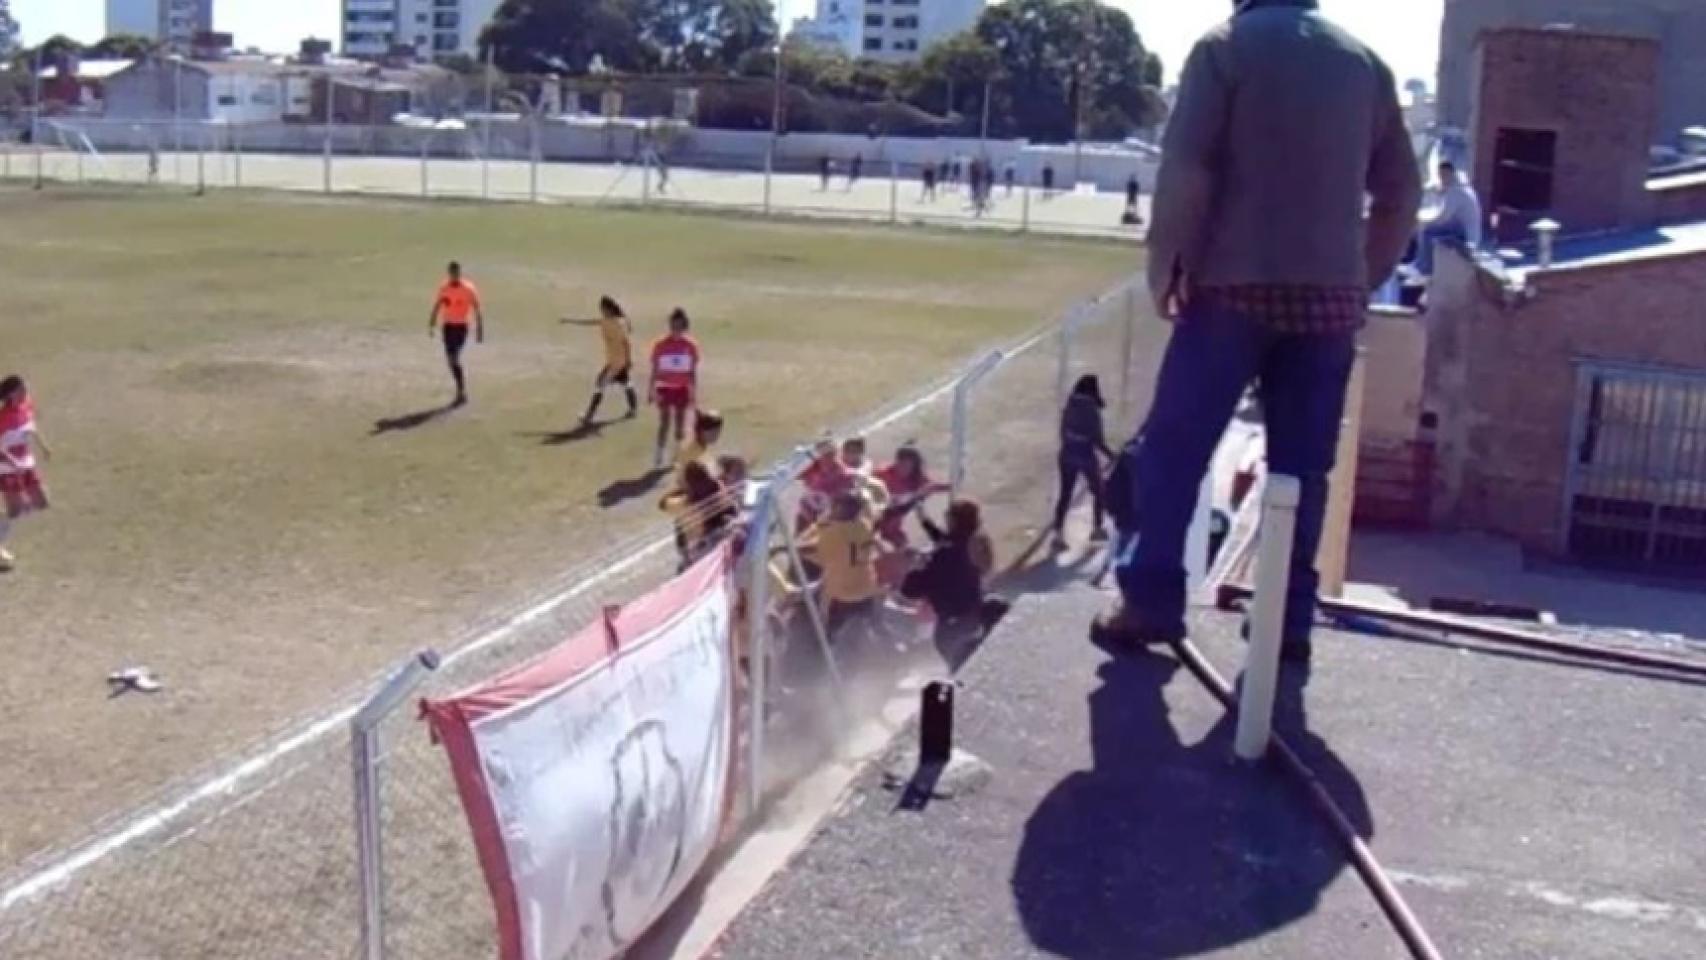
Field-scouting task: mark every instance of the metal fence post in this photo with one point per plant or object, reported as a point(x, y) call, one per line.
point(201, 170)
point(41, 174)
point(894, 191)
point(426, 149)
point(326, 163)
point(1128, 347)
point(1063, 371)
point(7, 147)
point(533, 169)
point(962, 391)
point(1267, 616)
point(769, 167)
point(237, 157)
point(364, 759)
point(1025, 210)
point(758, 636)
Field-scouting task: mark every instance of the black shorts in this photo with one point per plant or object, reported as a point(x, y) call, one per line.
point(455, 338)
point(622, 375)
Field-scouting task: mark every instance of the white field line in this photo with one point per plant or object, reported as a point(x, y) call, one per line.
point(224, 784)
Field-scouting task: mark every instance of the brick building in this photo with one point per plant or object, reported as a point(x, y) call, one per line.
point(1678, 26)
point(1566, 381)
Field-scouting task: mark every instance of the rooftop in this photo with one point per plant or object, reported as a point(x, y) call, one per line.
point(1614, 248)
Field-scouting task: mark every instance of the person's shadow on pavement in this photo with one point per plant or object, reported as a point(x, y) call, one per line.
point(1167, 850)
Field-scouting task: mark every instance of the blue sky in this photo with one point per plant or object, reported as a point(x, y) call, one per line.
point(1406, 32)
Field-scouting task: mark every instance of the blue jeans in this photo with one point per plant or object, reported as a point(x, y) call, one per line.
point(1212, 357)
point(1449, 233)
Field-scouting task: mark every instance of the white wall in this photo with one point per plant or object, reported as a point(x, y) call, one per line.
point(245, 98)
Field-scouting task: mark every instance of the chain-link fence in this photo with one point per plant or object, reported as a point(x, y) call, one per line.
point(540, 159)
point(260, 858)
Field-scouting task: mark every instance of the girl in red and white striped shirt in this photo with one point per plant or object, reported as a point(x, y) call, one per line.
point(21, 490)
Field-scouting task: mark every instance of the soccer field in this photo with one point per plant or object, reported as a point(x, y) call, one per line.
point(211, 372)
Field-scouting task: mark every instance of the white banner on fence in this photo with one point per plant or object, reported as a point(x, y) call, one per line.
point(595, 778)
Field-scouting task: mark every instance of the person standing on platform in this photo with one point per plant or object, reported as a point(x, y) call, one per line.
point(1263, 251)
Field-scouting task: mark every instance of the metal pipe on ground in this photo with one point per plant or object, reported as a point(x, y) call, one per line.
point(1385, 893)
point(1232, 593)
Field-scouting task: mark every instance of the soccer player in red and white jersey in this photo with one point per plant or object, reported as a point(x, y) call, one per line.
point(21, 490)
point(674, 387)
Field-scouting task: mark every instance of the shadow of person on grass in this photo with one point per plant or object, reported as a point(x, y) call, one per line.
point(561, 438)
point(622, 491)
point(409, 421)
point(1166, 849)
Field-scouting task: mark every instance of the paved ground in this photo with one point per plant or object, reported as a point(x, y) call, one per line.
point(872, 198)
point(1528, 810)
point(1415, 570)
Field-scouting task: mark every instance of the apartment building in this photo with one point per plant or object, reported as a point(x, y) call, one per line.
point(889, 30)
point(433, 28)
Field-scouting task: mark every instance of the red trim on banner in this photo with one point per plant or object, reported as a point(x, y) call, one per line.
point(453, 719)
point(452, 726)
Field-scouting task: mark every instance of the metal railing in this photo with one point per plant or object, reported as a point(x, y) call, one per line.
point(468, 162)
point(261, 856)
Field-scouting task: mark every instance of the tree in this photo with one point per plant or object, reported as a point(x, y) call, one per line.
point(1069, 68)
point(122, 46)
point(9, 31)
point(951, 76)
point(629, 36)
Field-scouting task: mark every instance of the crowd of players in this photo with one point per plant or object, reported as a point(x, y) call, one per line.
point(856, 523)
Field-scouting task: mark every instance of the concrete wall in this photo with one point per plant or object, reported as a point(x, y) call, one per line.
point(1680, 24)
point(1682, 201)
point(1596, 93)
point(150, 100)
point(1501, 375)
point(1395, 348)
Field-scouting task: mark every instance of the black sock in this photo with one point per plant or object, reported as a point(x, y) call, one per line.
point(592, 409)
point(461, 382)
point(633, 401)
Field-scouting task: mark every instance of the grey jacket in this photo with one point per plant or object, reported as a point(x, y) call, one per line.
point(1285, 127)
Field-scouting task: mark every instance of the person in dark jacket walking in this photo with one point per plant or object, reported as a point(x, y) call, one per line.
point(1083, 442)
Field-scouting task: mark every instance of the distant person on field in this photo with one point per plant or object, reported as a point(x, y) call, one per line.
point(1083, 444)
point(825, 167)
point(674, 382)
point(1458, 222)
point(1133, 193)
point(855, 169)
point(21, 489)
point(1263, 251)
point(1010, 173)
point(1048, 180)
point(457, 303)
point(617, 333)
point(929, 179)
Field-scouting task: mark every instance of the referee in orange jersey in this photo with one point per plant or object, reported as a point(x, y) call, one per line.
point(457, 303)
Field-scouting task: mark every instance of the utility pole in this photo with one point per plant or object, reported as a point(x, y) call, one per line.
point(988, 84)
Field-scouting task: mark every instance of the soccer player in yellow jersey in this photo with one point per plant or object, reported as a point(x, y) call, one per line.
point(846, 548)
point(618, 335)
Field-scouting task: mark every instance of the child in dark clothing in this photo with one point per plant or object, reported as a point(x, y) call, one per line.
point(952, 578)
point(1083, 443)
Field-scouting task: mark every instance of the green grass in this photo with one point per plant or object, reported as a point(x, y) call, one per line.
point(209, 372)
